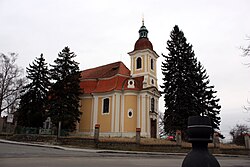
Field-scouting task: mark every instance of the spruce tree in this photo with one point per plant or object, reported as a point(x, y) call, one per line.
point(65, 91)
point(32, 108)
point(207, 101)
point(185, 86)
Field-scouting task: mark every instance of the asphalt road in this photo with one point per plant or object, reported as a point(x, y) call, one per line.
point(13, 155)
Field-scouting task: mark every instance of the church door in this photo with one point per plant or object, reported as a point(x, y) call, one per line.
point(153, 128)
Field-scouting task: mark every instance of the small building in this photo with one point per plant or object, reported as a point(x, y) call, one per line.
point(122, 99)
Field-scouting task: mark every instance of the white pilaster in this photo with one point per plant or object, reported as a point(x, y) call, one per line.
point(145, 63)
point(132, 65)
point(138, 112)
point(122, 114)
point(148, 118)
point(117, 113)
point(143, 128)
point(113, 113)
point(92, 115)
point(95, 111)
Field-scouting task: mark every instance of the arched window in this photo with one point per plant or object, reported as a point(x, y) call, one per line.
point(152, 64)
point(152, 105)
point(105, 107)
point(138, 63)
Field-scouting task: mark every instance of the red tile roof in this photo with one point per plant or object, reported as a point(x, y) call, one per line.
point(106, 71)
point(107, 78)
point(143, 43)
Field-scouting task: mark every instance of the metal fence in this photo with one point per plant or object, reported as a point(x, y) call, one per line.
point(41, 131)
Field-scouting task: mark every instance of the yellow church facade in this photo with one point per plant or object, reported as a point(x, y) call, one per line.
point(121, 99)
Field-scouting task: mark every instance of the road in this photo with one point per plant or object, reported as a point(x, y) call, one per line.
point(12, 155)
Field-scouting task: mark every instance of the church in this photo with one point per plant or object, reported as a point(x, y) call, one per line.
point(120, 99)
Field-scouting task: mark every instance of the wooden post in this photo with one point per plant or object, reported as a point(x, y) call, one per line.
point(138, 135)
point(96, 134)
point(178, 137)
point(59, 129)
point(216, 140)
point(247, 141)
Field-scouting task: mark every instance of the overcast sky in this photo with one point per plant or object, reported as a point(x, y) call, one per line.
point(104, 31)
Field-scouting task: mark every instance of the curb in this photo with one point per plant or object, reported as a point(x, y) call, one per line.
point(30, 144)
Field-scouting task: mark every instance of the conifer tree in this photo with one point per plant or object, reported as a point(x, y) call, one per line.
point(185, 86)
point(32, 108)
point(65, 91)
point(207, 101)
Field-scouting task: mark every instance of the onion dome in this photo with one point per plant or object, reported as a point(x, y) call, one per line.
point(143, 41)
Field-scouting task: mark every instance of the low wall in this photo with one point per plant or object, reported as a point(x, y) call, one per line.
point(133, 146)
point(231, 151)
point(81, 142)
point(31, 138)
point(77, 141)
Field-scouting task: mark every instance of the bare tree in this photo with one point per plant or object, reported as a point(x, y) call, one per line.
point(11, 82)
point(238, 132)
point(246, 50)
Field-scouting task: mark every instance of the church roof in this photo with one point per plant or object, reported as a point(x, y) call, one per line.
point(143, 43)
point(106, 71)
point(107, 78)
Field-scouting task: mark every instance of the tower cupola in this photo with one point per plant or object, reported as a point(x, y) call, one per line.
point(143, 41)
point(143, 32)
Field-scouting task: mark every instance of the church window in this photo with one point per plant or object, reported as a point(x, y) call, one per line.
point(131, 83)
point(105, 108)
point(152, 64)
point(138, 63)
point(130, 113)
point(152, 105)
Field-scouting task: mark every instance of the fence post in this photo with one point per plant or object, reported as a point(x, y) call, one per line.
point(247, 141)
point(216, 140)
point(178, 137)
point(96, 134)
point(59, 129)
point(138, 135)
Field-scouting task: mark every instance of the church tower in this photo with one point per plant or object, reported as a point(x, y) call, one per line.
point(143, 59)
